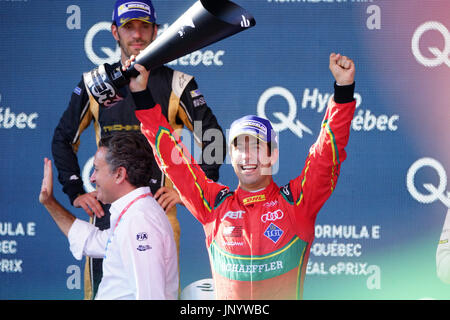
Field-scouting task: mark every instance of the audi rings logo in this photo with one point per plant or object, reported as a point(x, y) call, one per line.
point(439, 56)
point(435, 192)
point(272, 216)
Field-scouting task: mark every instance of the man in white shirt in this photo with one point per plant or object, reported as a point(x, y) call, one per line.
point(443, 252)
point(139, 251)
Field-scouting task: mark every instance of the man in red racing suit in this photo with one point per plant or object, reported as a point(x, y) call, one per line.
point(258, 239)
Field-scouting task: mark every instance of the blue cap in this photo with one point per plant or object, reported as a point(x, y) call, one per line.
point(126, 10)
point(257, 127)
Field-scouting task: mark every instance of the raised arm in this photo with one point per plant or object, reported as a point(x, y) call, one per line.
point(319, 176)
point(63, 218)
point(343, 69)
point(83, 237)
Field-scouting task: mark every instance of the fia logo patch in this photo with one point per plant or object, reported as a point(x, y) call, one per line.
point(273, 233)
point(141, 236)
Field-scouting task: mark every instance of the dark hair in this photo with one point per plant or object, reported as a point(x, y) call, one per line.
point(131, 151)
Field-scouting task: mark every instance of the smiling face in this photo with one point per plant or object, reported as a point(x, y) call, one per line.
point(252, 162)
point(133, 37)
point(104, 179)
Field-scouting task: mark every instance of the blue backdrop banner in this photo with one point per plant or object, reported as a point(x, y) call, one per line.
point(376, 237)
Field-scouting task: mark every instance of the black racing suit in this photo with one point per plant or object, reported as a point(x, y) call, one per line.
point(181, 102)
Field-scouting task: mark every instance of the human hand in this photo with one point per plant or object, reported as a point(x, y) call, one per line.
point(46, 194)
point(138, 83)
point(90, 204)
point(342, 68)
point(167, 198)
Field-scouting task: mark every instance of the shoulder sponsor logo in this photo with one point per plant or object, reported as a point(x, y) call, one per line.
point(222, 195)
point(77, 91)
point(197, 98)
point(198, 102)
point(272, 216)
point(286, 190)
point(195, 93)
point(180, 81)
point(253, 199)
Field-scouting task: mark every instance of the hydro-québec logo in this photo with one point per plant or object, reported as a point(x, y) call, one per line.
point(10, 119)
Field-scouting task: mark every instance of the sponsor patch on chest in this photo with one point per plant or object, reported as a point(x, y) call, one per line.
point(232, 231)
point(141, 236)
point(143, 247)
point(253, 199)
point(273, 232)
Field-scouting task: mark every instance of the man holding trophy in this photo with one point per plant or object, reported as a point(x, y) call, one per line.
point(258, 236)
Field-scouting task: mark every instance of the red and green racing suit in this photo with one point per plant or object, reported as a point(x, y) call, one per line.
point(258, 242)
